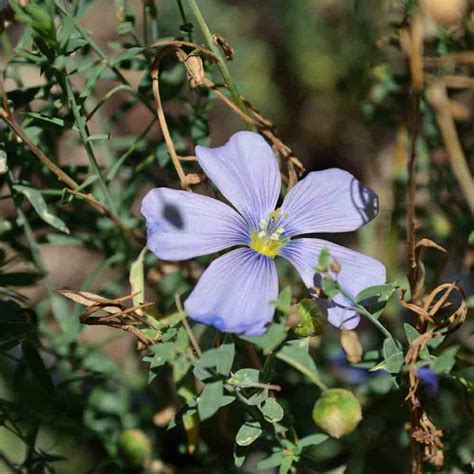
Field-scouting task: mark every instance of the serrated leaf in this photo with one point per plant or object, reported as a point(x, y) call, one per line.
point(210, 399)
point(248, 433)
point(39, 205)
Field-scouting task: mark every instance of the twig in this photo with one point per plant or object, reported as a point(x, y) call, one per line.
point(61, 175)
point(187, 327)
point(217, 52)
point(185, 180)
point(439, 100)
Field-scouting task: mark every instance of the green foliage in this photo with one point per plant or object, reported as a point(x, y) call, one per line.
point(77, 396)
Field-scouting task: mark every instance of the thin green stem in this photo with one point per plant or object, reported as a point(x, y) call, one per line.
point(217, 52)
point(304, 370)
point(84, 133)
point(184, 19)
point(363, 312)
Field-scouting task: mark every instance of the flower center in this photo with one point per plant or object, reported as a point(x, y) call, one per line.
point(268, 239)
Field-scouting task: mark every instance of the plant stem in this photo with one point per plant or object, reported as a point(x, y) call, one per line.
point(301, 368)
point(216, 50)
point(84, 133)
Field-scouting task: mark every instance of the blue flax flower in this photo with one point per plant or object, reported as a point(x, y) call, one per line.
point(236, 292)
point(429, 380)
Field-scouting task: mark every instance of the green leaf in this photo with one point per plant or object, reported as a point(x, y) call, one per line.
point(312, 440)
point(445, 362)
point(324, 261)
point(240, 453)
point(54, 120)
point(37, 368)
point(226, 357)
point(25, 278)
point(137, 279)
point(295, 353)
point(15, 322)
point(39, 205)
point(330, 287)
point(210, 399)
point(283, 303)
point(393, 358)
point(244, 376)
point(248, 433)
point(274, 460)
point(274, 336)
point(272, 410)
point(381, 293)
point(3, 162)
point(286, 464)
point(128, 54)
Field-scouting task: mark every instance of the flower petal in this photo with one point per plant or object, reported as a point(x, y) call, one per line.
point(328, 201)
point(357, 272)
point(246, 172)
point(182, 225)
point(235, 293)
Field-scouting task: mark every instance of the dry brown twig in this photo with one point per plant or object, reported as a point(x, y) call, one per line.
point(196, 78)
point(438, 98)
point(114, 313)
point(7, 116)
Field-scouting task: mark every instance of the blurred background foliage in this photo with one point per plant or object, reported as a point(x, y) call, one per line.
point(334, 81)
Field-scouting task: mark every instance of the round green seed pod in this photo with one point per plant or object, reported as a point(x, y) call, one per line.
point(135, 447)
point(337, 412)
point(310, 319)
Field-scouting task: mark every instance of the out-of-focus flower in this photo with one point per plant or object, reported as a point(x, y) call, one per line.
point(236, 292)
point(429, 379)
point(337, 412)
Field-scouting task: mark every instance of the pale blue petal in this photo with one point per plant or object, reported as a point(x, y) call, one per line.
point(235, 293)
point(183, 225)
point(357, 272)
point(246, 172)
point(328, 201)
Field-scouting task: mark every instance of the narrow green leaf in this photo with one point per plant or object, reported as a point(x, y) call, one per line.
point(37, 201)
point(37, 368)
point(312, 440)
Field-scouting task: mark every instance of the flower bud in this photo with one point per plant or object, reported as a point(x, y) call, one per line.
point(310, 319)
point(444, 12)
point(135, 447)
point(337, 412)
